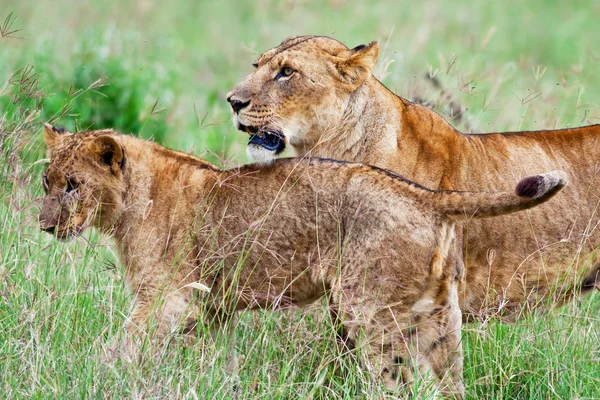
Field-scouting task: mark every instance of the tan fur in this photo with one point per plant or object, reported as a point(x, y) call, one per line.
point(549, 252)
point(378, 245)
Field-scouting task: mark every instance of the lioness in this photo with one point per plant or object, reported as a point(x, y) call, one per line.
point(375, 243)
point(320, 97)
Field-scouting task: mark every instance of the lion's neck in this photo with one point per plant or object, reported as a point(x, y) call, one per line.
point(382, 129)
point(369, 124)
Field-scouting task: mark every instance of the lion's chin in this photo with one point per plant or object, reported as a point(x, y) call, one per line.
point(260, 155)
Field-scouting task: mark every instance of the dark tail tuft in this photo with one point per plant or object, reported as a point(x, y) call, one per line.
point(536, 186)
point(530, 186)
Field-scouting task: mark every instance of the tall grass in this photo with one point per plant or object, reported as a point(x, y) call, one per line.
point(161, 71)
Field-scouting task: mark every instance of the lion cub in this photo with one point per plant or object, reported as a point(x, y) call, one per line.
point(376, 244)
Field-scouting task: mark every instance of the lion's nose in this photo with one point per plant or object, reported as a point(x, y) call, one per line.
point(236, 104)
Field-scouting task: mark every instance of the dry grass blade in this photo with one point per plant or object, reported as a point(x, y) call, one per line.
point(197, 285)
point(201, 122)
point(101, 82)
point(530, 97)
point(451, 63)
point(156, 109)
point(5, 28)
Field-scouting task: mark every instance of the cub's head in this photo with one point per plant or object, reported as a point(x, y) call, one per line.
point(83, 182)
point(298, 90)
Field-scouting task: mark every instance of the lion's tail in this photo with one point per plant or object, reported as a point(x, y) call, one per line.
point(529, 192)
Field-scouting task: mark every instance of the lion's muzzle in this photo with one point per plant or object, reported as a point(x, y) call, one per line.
point(50, 214)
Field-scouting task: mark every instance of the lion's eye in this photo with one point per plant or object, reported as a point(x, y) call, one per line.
point(71, 185)
point(45, 183)
point(284, 73)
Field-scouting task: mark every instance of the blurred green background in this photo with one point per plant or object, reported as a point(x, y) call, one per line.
point(166, 67)
point(161, 70)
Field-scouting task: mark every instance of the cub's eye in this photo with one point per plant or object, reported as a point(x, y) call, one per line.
point(45, 183)
point(71, 185)
point(284, 73)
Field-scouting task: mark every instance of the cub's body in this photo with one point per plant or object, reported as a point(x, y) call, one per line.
point(379, 246)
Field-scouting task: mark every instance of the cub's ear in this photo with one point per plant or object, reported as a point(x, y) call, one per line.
point(108, 152)
point(52, 135)
point(356, 68)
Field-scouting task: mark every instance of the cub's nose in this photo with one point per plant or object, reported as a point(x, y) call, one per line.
point(49, 229)
point(237, 105)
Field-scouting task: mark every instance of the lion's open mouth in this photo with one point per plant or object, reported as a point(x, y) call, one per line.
point(270, 140)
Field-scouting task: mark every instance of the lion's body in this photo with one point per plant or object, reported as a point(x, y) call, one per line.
point(521, 258)
point(510, 261)
point(378, 245)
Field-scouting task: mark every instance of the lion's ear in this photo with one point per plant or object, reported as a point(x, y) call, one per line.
point(108, 152)
point(52, 135)
point(357, 67)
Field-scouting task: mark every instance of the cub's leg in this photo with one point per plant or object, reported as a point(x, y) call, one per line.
point(435, 339)
point(444, 322)
point(159, 310)
point(341, 333)
point(395, 339)
point(222, 333)
point(379, 336)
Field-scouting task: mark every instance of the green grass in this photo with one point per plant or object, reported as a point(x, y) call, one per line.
point(162, 70)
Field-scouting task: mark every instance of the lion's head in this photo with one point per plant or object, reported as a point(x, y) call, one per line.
point(299, 89)
point(83, 182)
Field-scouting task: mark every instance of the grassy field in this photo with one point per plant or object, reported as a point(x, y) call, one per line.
point(161, 70)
